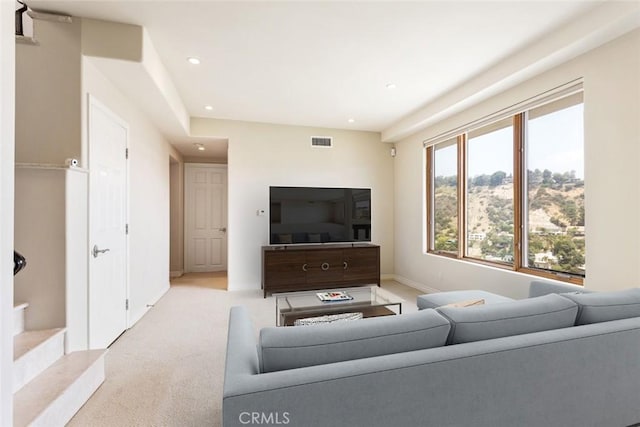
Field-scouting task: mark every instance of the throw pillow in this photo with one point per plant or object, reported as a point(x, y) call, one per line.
point(329, 318)
point(281, 348)
point(509, 318)
point(439, 299)
point(605, 306)
point(467, 303)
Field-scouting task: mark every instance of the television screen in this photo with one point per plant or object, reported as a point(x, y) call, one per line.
point(319, 215)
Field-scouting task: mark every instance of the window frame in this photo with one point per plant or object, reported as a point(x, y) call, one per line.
point(430, 206)
point(464, 161)
point(519, 122)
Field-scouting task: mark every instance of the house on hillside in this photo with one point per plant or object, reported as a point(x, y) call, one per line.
point(545, 260)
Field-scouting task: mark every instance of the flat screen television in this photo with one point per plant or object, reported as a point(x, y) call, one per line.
point(308, 215)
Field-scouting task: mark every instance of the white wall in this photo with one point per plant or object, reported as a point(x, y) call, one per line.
point(7, 119)
point(263, 155)
point(611, 76)
point(76, 259)
point(40, 237)
point(149, 155)
point(48, 95)
point(54, 284)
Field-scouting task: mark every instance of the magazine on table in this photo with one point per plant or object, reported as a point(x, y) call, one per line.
point(333, 296)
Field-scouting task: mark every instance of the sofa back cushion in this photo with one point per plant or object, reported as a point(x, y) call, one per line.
point(281, 348)
point(504, 319)
point(604, 306)
point(538, 288)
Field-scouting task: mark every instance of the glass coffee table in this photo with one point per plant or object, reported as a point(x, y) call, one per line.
point(370, 301)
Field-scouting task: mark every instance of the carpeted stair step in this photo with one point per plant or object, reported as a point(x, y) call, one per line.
point(33, 352)
point(55, 395)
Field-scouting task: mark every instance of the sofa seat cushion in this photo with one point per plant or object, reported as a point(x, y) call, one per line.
point(605, 306)
point(282, 348)
point(484, 322)
point(444, 298)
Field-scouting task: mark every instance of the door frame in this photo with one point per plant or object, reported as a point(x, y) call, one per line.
point(185, 241)
point(92, 101)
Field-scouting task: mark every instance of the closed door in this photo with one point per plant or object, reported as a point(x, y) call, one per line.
point(205, 218)
point(108, 138)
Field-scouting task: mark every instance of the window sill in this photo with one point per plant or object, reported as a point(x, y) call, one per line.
point(562, 277)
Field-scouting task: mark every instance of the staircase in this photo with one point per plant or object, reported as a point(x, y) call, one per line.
point(49, 387)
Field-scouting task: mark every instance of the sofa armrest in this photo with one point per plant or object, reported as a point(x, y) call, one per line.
point(242, 352)
point(538, 288)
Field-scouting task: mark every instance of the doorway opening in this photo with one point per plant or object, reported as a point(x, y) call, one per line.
point(176, 210)
point(198, 213)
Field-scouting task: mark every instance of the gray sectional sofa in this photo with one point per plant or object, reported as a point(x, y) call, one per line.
point(549, 360)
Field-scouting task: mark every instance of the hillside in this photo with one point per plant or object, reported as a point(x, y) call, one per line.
point(555, 219)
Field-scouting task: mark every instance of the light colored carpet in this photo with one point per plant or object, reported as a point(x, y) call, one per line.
point(168, 369)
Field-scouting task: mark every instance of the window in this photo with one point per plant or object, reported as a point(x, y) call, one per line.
point(511, 192)
point(489, 199)
point(555, 187)
point(445, 197)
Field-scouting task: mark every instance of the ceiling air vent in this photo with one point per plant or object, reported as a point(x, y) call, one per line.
point(321, 141)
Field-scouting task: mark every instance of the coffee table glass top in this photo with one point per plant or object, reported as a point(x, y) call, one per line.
point(307, 302)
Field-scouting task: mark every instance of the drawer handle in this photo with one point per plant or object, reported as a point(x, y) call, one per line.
point(345, 265)
point(324, 266)
point(304, 267)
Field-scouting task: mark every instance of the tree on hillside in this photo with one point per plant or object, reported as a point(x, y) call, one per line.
point(570, 211)
point(480, 180)
point(558, 178)
point(534, 177)
point(446, 181)
point(497, 178)
point(580, 221)
point(569, 256)
point(446, 242)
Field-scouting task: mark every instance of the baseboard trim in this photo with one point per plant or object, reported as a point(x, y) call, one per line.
point(177, 273)
point(416, 285)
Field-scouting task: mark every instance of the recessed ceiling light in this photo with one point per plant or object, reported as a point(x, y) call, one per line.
point(391, 86)
point(208, 107)
point(200, 147)
point(351, 120)
point(193, 60)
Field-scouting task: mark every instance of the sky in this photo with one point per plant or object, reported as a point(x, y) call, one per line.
point(555, 142)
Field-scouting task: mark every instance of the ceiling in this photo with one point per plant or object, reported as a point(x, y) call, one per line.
point(323, 63)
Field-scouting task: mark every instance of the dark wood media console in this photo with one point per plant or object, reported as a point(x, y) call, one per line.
point(305, 267)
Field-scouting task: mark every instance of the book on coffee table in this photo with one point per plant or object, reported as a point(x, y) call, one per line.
point(333, 296)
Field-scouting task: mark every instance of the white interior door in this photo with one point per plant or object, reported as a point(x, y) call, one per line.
point(205, 218)
point(108, 138)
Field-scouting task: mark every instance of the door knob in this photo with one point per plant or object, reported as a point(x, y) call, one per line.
point(97, 251)
point(223, 229)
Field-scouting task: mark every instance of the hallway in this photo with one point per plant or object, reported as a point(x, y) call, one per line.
point(213, 280)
